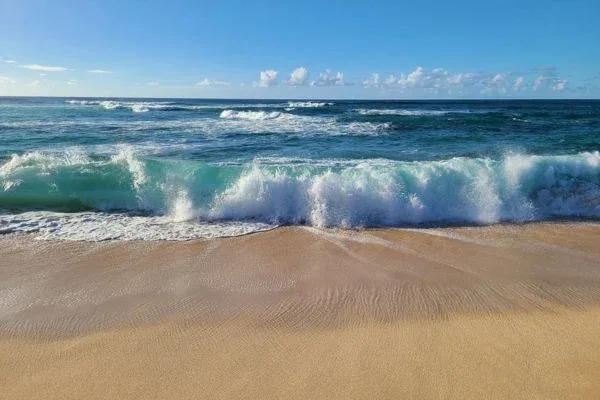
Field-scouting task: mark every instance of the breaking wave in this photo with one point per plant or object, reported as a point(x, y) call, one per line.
point(252, 115)
point(144, 106)
point(404, 112)
point(126, 190)
point(308, 104)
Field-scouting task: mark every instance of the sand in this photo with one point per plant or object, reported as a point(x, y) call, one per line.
point(508, 311)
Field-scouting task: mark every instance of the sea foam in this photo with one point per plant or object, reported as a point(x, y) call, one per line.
point(360, 193)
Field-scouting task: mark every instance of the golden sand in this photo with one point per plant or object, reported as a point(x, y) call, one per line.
point(486, 312)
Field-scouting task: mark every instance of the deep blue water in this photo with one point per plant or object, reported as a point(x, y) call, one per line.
point(231, 166)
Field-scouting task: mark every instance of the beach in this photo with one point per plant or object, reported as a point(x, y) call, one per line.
point(501, 311)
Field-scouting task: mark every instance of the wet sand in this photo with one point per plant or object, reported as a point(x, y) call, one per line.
point(507, 311)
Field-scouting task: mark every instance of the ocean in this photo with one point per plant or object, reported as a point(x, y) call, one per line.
point(177, 169)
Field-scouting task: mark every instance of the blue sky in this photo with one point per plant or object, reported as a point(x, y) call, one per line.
point(301, 49)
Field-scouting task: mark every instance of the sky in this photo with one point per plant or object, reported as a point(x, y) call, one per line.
point(301, 49)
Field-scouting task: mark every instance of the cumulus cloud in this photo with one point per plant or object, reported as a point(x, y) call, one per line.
point(268, 78)
point(438, 80)
point(6, 80)
point(540, 82)
point(98, 71)
point(328, 78)
point(545, 82)
point(519, 84)
point(298, 77)
point(44, 68)
point(424, 79)
point(559, 85)
point(210, 82)
point(497, 84)
point(372, 81)
point(420, 78)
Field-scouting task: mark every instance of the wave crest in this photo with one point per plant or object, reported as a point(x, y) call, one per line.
point(349, 194)
point(411, 113)
point(308, 104)
point(251, 115)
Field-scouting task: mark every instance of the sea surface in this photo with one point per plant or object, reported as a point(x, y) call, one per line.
point(97, 169)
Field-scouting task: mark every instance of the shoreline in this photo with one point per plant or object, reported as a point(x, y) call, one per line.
point(288, 274)
point(501, 311)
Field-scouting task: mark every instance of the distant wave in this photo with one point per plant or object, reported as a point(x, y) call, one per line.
point(252, 115)
point(229, 121)
point(308, 104)
point(145, 106)
point(281, 122)
point(404, 112)
point(326, 194)
point(133, 106)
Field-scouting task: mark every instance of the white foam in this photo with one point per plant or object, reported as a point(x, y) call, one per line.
point(145, 106)
point(279, 122)
point(126, 156)
point(404, 112)
point(43, 161)
point(252, 115)
point(90, 226)
point(374, 193)
point(232, 121)
point(326, 193)
point(308, 104)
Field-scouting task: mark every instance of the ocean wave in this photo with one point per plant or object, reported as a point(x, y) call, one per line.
point(358, 194)
point(411, 113)
point(114, 105)
point(252, 115)
point(248, 122)
point(308, 104)
point(275, 122)
point(145, 106)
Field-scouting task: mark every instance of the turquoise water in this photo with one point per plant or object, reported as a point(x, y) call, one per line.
point(178, 169)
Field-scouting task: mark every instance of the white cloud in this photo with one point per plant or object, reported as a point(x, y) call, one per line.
point(8, 61)
point(540, 82)
point(72, 82)
point(372, 81)
point(519, 84)
point(463, 80)
point(268, 78)
point(440, 81)
point(45, 68)
point(498, 84)
point(152, 83)
point(34, 83)
point(559, 85)
point(391, 80)
point(328, 78)
point(298, 77)
point(545, 82)
point(208, 82)
point(98, 71)
point(421, 78)
point(5, 80)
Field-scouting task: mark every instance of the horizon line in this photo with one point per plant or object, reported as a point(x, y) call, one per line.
point(309, 99)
